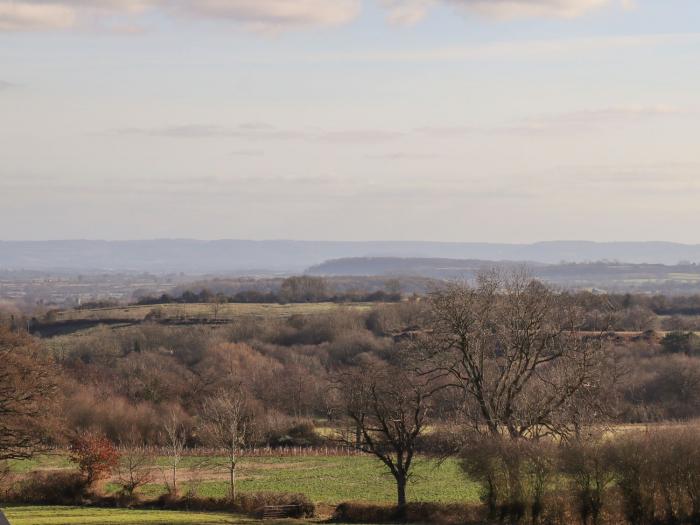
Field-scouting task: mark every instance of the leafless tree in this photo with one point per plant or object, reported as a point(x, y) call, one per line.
point(226, 425)
point(174, 437)
point(27, 395)
point(516, 350)
point(388, 406)
point(135, 467)
point(303, 288)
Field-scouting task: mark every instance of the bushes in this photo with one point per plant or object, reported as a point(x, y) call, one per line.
point(414, 513)
point(253, 503)
point(515, 476)
point(299, 435)
point(95, 455)
point(49, 488)
point(650, 478)
point(681, 343)
point(658, 476)
point(250, 503)
point(588, 467)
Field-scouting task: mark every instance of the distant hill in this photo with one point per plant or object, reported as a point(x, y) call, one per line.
point(423, 267)
point(249, 257)
point(612, 277)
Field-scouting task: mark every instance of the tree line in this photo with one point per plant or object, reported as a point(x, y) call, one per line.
point(300, 289)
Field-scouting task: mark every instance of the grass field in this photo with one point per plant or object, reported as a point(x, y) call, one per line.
point(204, 311)
point(325, 480)
point(92, 516)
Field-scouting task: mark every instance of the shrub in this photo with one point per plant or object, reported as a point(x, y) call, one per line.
point(49, 488)
point(254, 503)
point(658, 476)
point(95, 455)
point(587, 465)
point(250, 503)
point(635, 474)
point(681, 343)
point(299, 435)
point(515, 476)
point(364, 513)
point(414, 513)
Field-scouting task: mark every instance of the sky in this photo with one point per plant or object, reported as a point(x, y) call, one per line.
point(450, 120)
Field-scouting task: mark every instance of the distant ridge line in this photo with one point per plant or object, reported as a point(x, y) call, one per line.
point(287, 256)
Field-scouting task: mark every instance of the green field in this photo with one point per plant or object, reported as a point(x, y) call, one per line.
point(225, 311)
point(91, 516)
point(325, 480)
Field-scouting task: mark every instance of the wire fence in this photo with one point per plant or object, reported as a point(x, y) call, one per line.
point(259, 452)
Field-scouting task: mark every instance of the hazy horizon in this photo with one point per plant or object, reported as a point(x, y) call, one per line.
point(355, 241)
point(506, 121)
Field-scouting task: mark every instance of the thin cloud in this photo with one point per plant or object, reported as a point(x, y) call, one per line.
point(205, 131)
point(593, 118)
point(409, 12)
point(272, 14)
point(556, 123)
point(268, 15)
point(38, 15)
point(530, 8)
point(34, 15)
point(6, 85)
point(261, 132)
point(558, 49)
point(359, 136)
point(403, 156)
point(248, 153)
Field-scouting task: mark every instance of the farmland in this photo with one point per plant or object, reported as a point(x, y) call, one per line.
point(327, 481)
point(95, 516)
point(204, 311)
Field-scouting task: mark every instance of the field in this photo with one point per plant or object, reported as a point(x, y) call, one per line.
point(325, 480)
point(90, 516)
point(209, 311)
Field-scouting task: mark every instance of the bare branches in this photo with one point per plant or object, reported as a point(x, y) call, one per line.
point(135, 467)
point(27, 396)
point(515, 349)
point(227, 425)
point(174, 438)
point(388, 407)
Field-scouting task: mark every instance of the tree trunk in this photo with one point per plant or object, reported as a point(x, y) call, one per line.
point(232, 480)
point(401, 493)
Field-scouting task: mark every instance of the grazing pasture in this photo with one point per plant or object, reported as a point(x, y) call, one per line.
point(325, 480)
point(98, 516)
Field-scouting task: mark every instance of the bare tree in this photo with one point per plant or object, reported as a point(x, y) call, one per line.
point(304, 289)
point(135, 467)
point(174, 437)
point(515, 349)
point(226, 425)
point(388, 409)
point(27, 396)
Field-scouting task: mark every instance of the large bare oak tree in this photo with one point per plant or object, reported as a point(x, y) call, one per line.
point(515, 349)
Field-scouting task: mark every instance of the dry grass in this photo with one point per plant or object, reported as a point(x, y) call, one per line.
point(207, 311)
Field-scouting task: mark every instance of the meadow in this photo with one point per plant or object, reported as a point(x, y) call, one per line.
point(97, 516)
point(327, 481)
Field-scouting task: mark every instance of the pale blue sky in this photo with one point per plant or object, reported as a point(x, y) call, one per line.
point(466, 120)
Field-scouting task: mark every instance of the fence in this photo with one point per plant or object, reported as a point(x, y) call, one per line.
point(263, 452)
point(280, 511)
